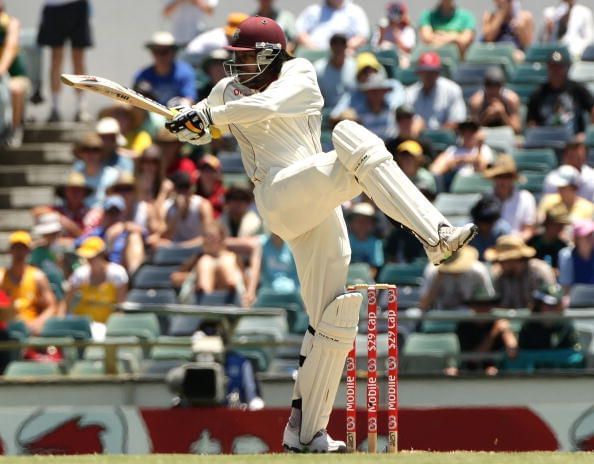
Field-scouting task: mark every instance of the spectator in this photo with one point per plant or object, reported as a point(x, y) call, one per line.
point(518, 207)
point(485, 336)
point(11, 63)
point(574, 154)
point(509, 23)
point(576, 263)
point(238, 218)
point(97, 175)
point(216, 38)
point(172, 156)
point(210, 183)
point(130, 120)
point(27, 286)
point(336, 74)
point(214, 69)
point(169, 78)
point(570, 24)
point(560, 101)
point(278, 271)
point(186, 214)
point(114, 153)
point(395, 31)
point(76, 218)
point(495, 105)
point(98, 284)
point(455, 281)
point(7, 314)
point(148, 174)
point(549, 242)
point(365, 246)
point(566, 179)
point(61, 21)
point(284, 18)
point(317, 23)
point(486, 214)
point(437, 100)
point(48, 255)
point(469, 156)
point(409, 127)
point(516, 272)
point(123, 239)
point(447, 24)
point(411, 158)
point(187, 18)
point(374, 104)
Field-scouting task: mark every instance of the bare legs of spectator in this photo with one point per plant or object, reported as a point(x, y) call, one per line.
point(57, 57)
point(133, 253)
point(78, 63)
point(216, 273)
point(19, 87)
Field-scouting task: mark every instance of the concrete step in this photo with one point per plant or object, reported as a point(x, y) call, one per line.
point(25, 197)
point(19, 176)
point(55, 132)
point(4, 241)
point(4, 259)
point(15, 219)
point(38, 153)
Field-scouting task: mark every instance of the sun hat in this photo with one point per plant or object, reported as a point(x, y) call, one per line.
point(461, 261)
point(233, 20)
point(564, 176)
point(20, 237)
point(161, 39)
point(504, 164)
point(362, 209)
point(108, 126)
point(367, 60)
point(48, 223)
point(508, 247)
point(376, 82)
point(74, 179)
point(125, 179)
point(91, 247)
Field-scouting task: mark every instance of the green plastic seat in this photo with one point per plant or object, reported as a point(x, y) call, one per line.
point(18, 330)
point(535, 160)
point(389, 60)
point(88, 368)
point(407, 76)
point(402, 274)
point(502, 138)
point(489, 52)
point(590, 136)
point(504, 313)
point(473, 183)
point(439, 139)
point(530, 73)
point(540, 52)
point(423, 353)
point(77, 327)
point(18, 369)
point(433, 326)
point(534, 181)
point(142, 325)
point(249, 327)
point(160, 352)
point(524, 90)
point(359, 273)
point(448, 53)
point(291, 302)
point(455, 204)
point(131, 356)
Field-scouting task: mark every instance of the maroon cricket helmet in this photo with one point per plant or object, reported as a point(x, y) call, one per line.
point(254, 31)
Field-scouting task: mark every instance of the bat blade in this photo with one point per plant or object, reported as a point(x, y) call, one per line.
point(115, 91)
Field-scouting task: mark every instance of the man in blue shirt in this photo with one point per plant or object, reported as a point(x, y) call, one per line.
point(168, 78)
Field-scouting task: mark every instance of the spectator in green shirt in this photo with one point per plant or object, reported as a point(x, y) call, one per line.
point(447, 24)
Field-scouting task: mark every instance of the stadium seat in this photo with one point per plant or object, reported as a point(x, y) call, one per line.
point(18, 330)
point(424, 353)
point(491, 53)
point(402, 274)
point(291, 302)
point(359, 273)
point(468, 90)
point(159, 367)
point(546, 137)
point(502, 139)
point(473, 183)
point(409, 296)
point(524, 90)
point(149, 276)
point(142, 325)
point(182, 325)
point(455, 204)
point(232, 163)
point(250, 326)
point(529, 73)
point(504, 313)
point(581, 296)
point(162, 296)
point(590, 136)
point(440, 139)
point(77, 327)
point(161, 352)
point(389, 60)
point(534, 181)
point(588, 53)
point(18, 369)
point(130, 356)
point(540, 52)
point(89, 368)
point(174, 255)
point(582, 71)
point(235, 179)
point(542, 160)
point(219, 298)
point(470, 73)
point(434, 326)
point(407, 76)
point(450, 53)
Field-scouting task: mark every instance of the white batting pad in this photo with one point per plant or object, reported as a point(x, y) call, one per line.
point(365, 155)
point(320, 375)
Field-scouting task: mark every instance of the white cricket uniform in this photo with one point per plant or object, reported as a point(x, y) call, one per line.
point(298, 188)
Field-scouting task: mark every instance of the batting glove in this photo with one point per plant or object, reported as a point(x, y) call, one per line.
point(193, 119)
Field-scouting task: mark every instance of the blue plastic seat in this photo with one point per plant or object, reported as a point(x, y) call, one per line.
point(141, 325)
point(402, 274)
point(542, 160)
point(174, 255)
point(150, 276)
point(162, 296)
point(471, 183)
point(291, 302)
point(546, 136)
point(530, 73)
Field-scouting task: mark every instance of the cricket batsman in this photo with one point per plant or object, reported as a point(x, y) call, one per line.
point(271, 103)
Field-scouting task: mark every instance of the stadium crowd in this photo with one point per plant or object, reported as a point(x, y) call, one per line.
point(488, 116)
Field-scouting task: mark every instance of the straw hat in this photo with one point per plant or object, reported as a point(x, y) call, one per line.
point(91, 247)
point(75, 179)
point(162, 39)
point(125, 179)
point(461, 261)
point(508, 247)
point(89, 141)
point(48, 223)
point(503, 165)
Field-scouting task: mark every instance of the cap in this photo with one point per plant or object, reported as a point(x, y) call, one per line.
point(494, 76)
point(48, 223)
point(210, 161)
point(367, 60)
point(404, 111)
point(20, 236)
point(559, 56)
point(253, 31)
point(564, 176)
point(429, 61)
point(551, 294)
point(362, 209)
point(583, 228)
point(412, 147)
point(376, 82)
point(114, 202)
point(91, 247)
point(161, 39)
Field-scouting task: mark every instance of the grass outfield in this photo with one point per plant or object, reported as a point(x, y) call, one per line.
point(401, 458)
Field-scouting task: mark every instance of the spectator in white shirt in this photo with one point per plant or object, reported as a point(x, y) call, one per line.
point(518, 207)
point(187, 17)
point(317, 23)
point(575, 154)
point(216, 38)
point(569, 24)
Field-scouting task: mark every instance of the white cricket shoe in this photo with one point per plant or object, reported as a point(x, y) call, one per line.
point(321, 443)
point(451, 239)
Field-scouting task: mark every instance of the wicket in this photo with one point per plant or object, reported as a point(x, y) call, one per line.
point(372, 385)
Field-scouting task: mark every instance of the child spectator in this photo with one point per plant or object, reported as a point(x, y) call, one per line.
point(365, 247)
point(447, 24)
point(549, 242)
point(395, 31)
point(486, 214)
point(576, 263)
